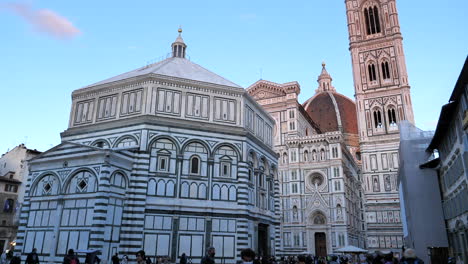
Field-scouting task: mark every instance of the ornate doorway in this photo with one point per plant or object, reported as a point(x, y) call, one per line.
point(320, 244)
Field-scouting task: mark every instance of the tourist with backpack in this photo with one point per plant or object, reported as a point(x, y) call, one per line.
point(71, 258)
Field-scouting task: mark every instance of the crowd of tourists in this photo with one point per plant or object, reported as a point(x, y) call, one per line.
point(248, 256)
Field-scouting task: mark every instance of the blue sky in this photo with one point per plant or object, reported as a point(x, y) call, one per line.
point(241, 40)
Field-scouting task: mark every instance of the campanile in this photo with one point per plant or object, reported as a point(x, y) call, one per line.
point(383, 99)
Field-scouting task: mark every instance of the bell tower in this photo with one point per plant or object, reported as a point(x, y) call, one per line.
point(383, 99)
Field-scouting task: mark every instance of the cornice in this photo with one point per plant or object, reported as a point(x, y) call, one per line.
point(158, 79)
point(329, 137)
point(369, 42)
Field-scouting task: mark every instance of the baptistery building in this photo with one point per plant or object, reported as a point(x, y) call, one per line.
point(170, 158)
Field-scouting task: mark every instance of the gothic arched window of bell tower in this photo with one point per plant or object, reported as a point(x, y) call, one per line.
point(372, 73)
point(377, 119)
point(371, 16)
point(385, 70)
point(392, 120)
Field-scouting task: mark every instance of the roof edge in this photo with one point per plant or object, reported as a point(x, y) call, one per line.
point(442, 125)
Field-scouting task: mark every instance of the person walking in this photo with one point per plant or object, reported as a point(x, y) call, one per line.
point(141, 257)
point(125, 259)
point(32, 257)
point(115, 259)
point(334, 259)
point(15, 259)
point(71, 258)
point(247, 256)
point(209, 257)
point(183, 259)
point(409, 257)
point(301, 259)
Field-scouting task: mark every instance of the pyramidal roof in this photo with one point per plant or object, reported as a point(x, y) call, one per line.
point(176, 66)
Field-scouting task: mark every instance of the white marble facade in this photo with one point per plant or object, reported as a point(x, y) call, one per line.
point(320, 187)
point(169, 158)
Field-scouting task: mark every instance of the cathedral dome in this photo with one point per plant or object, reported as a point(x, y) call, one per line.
point(330, 110)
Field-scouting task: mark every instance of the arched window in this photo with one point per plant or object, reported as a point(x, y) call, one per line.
point(194, 165)
point(224, 193)
point(193, 193)
point(118, 180)
point(151, 187)
point(82, 182)
point(184, 190)
point(216, 192)
point(48, 185)
point(293, 156)
point(170, 188)
point(372, 73)
point(337, 186)
point(335, 152)
point(232, 193)
point(371, 17)
point(392, 117)
point(161, 188)
point(197, 153)
point(377, 119)
point(385, 70)
point(202, 191)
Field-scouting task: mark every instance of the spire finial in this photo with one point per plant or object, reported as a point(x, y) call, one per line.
point(178, 47)
point(325, 81)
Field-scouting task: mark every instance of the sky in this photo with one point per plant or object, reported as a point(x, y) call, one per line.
point(50, 48)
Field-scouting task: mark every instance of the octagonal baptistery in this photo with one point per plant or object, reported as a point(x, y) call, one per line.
point(332, 111)
point(170, 158)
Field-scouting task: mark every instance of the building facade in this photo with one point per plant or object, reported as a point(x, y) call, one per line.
point(451, 143)
point(419, 190)
point(320, 188)
point(383, 99)
point(13, 175)
point(170, 158)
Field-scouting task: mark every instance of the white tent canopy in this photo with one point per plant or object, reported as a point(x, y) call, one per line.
point(351, 249)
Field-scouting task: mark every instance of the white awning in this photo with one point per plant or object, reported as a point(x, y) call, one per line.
point(351, 249)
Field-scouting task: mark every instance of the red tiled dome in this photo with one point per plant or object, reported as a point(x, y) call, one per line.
point(331, 111)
